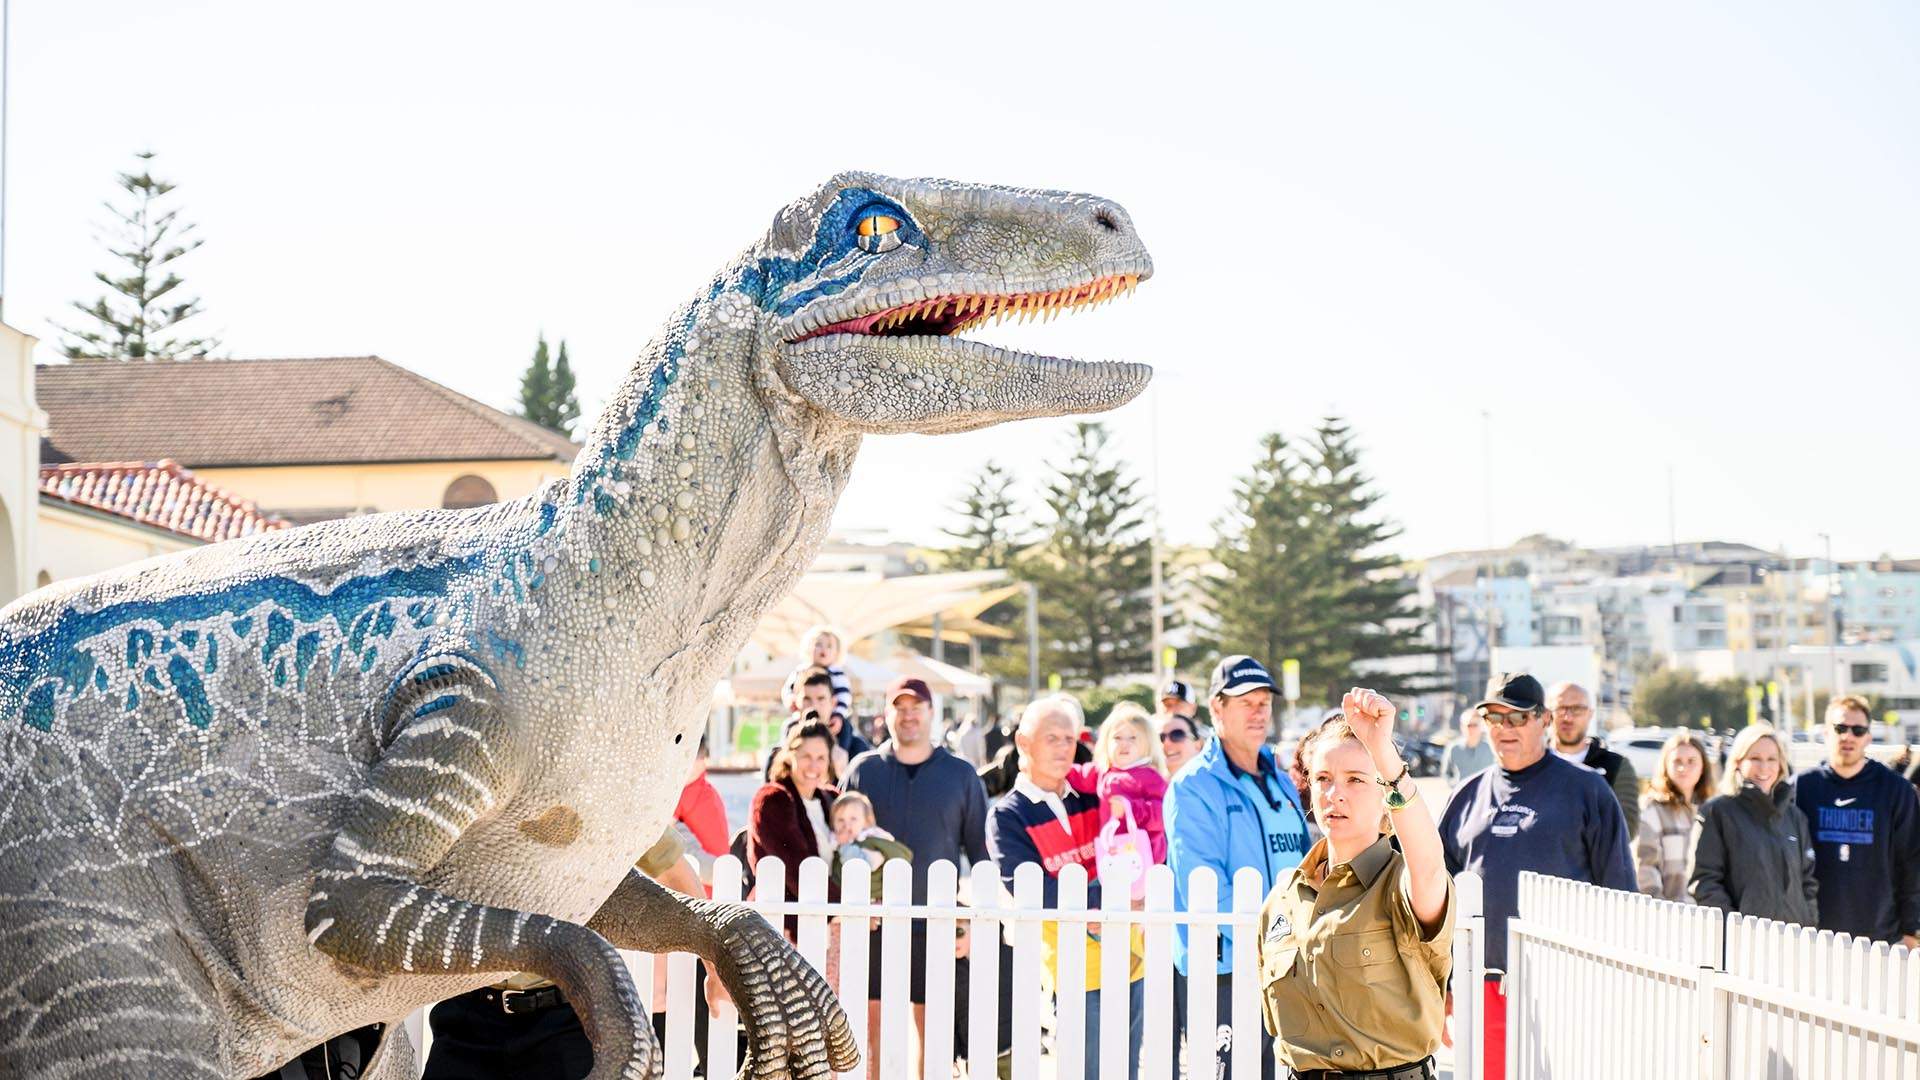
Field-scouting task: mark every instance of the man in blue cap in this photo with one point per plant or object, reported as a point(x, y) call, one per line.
point(1233, 807)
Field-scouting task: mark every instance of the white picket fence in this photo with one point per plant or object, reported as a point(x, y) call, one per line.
point(980, 904)
point(1607, 984)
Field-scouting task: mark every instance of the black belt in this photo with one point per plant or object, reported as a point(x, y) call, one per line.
point(524, 1002)
point(1419, 1070)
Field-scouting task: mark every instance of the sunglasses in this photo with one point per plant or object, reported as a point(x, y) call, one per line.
point(1175, 736)
point(1503, 719)
point(1858, 731)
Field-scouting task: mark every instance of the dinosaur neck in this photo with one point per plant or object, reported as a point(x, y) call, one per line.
point(703, 492)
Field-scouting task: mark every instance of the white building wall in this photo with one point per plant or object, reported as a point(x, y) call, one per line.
point(21, 425)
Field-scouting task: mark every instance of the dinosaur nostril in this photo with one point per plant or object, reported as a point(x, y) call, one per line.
point(1105, 219)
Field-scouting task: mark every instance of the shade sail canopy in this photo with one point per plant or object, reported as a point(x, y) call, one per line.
point(862, 605)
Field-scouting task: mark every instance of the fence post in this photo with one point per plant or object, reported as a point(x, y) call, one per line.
point(942, 891)
point(856, 938)
point(1116, 991)
point(983, 1006)
point(1203, 967)
point(896, 933)
point(1247, 1024)
point(1156, 1036)
point(1469, 991)
point(1070, 977)
point(723, 1025)
point(1026, 972)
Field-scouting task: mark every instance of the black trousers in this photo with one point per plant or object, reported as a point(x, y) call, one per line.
point(1223, 1035)
point(473, 1039)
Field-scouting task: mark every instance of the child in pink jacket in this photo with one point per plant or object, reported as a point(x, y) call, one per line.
point(1127, 774)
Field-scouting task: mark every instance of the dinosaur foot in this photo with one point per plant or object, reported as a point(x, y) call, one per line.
point(795, 1027)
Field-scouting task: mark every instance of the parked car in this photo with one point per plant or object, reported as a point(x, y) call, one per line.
point(1421, 755)
point(1640, 746)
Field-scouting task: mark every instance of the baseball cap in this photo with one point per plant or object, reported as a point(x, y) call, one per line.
point(1515, 691)
point(1178, 689)
point(1238, 675)
point(916, 687)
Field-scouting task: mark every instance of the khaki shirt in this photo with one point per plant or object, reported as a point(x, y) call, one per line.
point(659, 858)
point(1347, 980)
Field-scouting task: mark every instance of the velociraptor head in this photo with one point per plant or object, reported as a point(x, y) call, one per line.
point(862, 286)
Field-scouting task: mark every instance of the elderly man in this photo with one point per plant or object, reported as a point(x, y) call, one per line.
point(1468, 754)
point(1532, 811)
point(1571, 708)
point(1044, 821)
point(1233, 807)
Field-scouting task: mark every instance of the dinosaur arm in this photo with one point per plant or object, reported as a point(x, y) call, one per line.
point(794, 1024)
point(455, 758)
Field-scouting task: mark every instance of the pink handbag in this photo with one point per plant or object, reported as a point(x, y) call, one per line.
point(1121, 858)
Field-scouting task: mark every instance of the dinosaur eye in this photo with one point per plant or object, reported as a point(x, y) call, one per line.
point(877, 232)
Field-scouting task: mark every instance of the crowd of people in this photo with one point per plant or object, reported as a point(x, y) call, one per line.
point(1354, 948)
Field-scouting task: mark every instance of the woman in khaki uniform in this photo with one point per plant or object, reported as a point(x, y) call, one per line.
point(1355, 942)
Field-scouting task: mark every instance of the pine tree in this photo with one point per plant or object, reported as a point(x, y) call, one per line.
point(1365, 616)
point(1264, 601)
point(1092, 572)
point(135, 319)
point(566, 407)
point(546, 390)
point(989, 535)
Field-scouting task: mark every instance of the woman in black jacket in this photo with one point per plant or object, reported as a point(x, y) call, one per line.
point(1755, 851)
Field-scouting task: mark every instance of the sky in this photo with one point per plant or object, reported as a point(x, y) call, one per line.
point(1542, 257)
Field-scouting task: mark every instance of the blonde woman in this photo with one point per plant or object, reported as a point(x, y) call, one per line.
point(1669, 814)
point(1755, 852)
point(1128, 773)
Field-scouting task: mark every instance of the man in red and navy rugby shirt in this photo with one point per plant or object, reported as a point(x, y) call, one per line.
point(1044, 821)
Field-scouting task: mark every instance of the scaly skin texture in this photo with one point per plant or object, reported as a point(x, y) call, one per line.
point(262, 793)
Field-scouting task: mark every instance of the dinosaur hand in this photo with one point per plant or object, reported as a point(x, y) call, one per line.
point(617, 1023)
point(796, 1029)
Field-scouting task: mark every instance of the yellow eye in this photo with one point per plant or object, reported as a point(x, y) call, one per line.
point(878, 224)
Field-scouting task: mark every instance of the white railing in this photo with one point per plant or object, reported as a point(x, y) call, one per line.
point(1607, 984)
point(843, 929)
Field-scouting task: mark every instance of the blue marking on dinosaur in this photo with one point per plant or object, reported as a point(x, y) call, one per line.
point(40, 707)
point(193, 695)
point(444, 701)
point(547, 513)
point(153, 680)
point(99, 679)
point(304, 651)
point(189, 638)
point(505, 647)
point(139, 647)
point(279, 632)
point(213, 655)
point(48, 655)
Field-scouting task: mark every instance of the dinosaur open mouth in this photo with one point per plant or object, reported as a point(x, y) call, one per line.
point(951, 314)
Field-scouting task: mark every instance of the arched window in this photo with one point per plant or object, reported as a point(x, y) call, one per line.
point(468, 491)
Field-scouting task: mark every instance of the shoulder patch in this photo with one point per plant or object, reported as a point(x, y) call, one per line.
point(1280, 927)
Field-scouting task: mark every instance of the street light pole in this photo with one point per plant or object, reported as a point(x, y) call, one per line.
point(1833, 625)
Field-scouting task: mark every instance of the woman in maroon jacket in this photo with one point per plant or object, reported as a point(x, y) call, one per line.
point(790, 815)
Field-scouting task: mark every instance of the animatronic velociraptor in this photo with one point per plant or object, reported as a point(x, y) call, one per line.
point(259, 794)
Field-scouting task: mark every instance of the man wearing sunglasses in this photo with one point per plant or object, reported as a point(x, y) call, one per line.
point(1531, 811)
point(1866, 833)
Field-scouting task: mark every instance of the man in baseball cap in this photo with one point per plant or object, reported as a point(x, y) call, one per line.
point(1232, 807)
point(1531, 811)
point(1177, 699)
point(933, 802)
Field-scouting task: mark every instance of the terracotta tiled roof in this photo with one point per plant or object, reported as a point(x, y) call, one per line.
point(160, 494)
point(340, 410)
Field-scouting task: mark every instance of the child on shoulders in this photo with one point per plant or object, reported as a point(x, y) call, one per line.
point(1127, 774)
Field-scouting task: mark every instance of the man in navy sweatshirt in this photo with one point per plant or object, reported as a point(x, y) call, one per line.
point(1866, 833)
point(1529, 810)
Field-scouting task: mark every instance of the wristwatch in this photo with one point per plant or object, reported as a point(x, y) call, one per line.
point(1395, 800)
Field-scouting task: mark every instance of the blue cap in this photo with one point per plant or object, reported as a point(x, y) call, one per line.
point(1238, 675)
